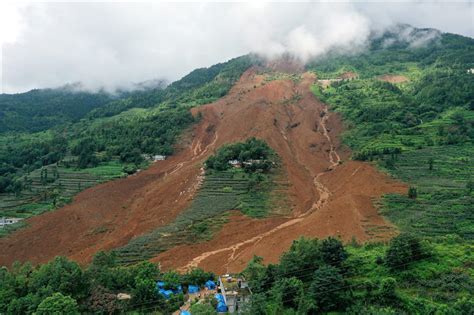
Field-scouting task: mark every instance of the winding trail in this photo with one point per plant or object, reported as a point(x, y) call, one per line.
point(324, 193)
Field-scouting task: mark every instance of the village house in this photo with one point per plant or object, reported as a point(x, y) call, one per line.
point(235, 292)
point(235, 163)
point(7, 221)
point(159, 157)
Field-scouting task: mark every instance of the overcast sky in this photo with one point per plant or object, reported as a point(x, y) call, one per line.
point(115, 44)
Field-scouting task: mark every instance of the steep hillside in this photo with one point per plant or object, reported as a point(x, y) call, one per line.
point(117, 138)
point(39, 110)
point(330, 195)
point(344, 185)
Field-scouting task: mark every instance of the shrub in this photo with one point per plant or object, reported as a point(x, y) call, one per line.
point(403, 250)
point(57, 304)
point(333, 252)
point(328, 289)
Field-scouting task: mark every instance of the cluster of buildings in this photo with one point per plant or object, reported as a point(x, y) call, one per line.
point(235, 292)
point(238, 164)
point(230, 293)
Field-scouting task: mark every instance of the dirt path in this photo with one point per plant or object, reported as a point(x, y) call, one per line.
point(330, 197)
point(333, 158)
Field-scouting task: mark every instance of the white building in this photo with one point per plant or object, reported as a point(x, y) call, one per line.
point(7, 221)
point(159, 157)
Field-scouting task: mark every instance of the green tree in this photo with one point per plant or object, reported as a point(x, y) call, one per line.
point(387, 293)
point(304, 254)
point(464, 306)
point(202, 309)
point(63, 276)
point(172, 279)
point(328, 289)
point(57, 304)
point(403, 250)
point(197, 276)
point(144, 291)
point(412, 192)
point(333, 252)
point(430, 164)
point(470, 186)
point(289, 292)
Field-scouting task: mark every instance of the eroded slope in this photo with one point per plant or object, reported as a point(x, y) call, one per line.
point(328, 197)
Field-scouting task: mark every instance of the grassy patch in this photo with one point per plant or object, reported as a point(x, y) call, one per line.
point(444, 203)
point(443, 277)
point(51, 187)
point(220, 192)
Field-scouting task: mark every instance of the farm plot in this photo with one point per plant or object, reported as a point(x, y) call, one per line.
point(444, 196)
point(221, 191)
point(50, 187)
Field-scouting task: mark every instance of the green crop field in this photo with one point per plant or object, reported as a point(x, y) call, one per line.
point(220, 192)
point(444, 203)
point(50, 187)
point(406, 127)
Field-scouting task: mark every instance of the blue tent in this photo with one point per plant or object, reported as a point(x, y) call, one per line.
point(166, 293)
point(160, 284)
point(211, 285)
point(184, 313)
point(193, 289)
point(221, 306)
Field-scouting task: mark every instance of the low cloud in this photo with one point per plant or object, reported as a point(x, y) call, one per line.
point(116, 45)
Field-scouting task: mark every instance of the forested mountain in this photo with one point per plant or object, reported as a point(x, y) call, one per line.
point(39, 110)
point(407, 106)
point(106, 132)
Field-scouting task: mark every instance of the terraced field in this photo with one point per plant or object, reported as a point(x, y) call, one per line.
point(220, 192)
point(444, 203)
point(51, 187)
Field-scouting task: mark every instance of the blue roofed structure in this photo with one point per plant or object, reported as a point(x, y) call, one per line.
point(211, 285)
point(193, 289)
point(165, 293)
point(160, 284)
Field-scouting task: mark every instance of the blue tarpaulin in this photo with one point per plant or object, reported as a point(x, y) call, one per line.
point(160, 284)
point(193, 289)
point(211, 285)
point(166, 293)
point(184, 313)
point(219, 297)
point(221, 307)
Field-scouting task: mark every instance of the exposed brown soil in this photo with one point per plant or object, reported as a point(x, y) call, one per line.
point(393, 78)
point(328, 197)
